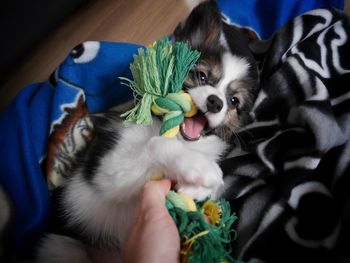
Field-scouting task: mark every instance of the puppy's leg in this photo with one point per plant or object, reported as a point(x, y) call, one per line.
point(190, 168)
point(61, 249)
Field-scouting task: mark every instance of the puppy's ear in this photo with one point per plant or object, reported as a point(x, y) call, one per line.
point(203, 26)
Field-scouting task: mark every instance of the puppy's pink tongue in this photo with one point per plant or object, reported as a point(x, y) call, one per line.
point(191, 128)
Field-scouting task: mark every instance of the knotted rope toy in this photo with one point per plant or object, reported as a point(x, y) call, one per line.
point(204, 228)
point(158, 76)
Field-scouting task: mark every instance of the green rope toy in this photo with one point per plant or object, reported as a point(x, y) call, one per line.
point(158, 76)
point(204, 227)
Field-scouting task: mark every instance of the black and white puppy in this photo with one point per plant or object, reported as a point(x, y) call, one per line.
point(97, 202)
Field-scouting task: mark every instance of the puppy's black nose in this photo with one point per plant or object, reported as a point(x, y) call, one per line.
point(214, 104)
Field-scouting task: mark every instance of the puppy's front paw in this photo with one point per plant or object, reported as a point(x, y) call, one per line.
point(198, 176)
point(191, 169)
point(197, 192)
point(200, 171)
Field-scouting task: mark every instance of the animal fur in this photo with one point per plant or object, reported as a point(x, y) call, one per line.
point(96, 203)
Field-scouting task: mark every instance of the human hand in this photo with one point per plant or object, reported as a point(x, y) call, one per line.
point(154, 236)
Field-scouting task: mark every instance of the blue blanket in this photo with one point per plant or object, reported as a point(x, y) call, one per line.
point(89, 77)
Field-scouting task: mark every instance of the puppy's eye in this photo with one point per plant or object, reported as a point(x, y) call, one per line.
point(234, 101)
point(201, 77)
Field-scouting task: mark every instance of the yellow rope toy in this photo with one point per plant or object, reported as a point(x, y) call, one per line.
point(173, 115)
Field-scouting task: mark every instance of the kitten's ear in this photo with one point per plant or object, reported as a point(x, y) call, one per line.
point(203, 26)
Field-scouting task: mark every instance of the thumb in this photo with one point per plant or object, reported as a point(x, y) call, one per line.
point(153, 193)
point(156, 188)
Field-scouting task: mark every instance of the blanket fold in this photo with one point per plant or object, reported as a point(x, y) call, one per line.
point(289, 195)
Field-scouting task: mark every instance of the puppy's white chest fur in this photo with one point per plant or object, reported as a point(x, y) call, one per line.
point(103, 204)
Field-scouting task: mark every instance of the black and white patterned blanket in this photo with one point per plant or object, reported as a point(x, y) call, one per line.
point(289, 176)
